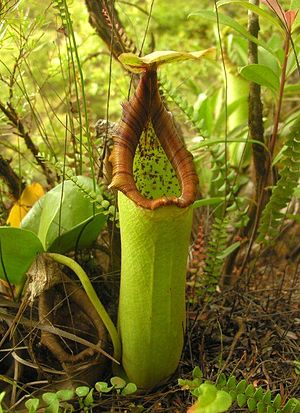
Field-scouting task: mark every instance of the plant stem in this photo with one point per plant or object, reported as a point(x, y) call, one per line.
point(263, 195)
point(87, 285)
point(14, 183)
point(280, 97)
point(255, 120)
point(259, 153)
point(11, 114)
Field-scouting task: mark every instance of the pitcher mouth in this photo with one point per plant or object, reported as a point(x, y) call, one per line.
point(145, 109)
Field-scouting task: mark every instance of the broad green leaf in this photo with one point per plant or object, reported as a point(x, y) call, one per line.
point(18, 250)
point(261, 12)
point(80, 236)
point(261, 75)
point(228, 21)
point(49, 211)
point(138, 64)
point(64, 218)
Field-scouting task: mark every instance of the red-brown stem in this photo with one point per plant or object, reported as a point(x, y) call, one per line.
point(280, 98)
point(261, 200)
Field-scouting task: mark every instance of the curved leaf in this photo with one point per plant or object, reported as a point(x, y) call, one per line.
point(64, 218)
point(28, 197)
point(18, 250)
point(255, 9)
point(138, 64)
point(261, 75)
point(228, 21)
point(81, 236)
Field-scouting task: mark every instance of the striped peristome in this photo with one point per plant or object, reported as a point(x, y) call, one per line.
point(146, 109)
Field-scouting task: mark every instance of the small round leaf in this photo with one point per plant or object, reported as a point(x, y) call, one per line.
point(130, 388)
point(65, 395)
point(103, 387)
point(118, 382)
point(82, 391)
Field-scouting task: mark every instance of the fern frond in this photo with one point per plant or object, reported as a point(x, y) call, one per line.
point(180, 102)
point(213, 262)
point(282, 193)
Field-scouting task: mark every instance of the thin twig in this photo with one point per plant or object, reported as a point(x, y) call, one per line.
point(11, 114)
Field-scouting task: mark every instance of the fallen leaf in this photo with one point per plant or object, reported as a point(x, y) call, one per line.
point(29, 196)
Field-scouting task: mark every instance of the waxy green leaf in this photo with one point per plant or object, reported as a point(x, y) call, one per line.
point(64, 218)
point(138, 64)
point(261, 75)
point(18, 250)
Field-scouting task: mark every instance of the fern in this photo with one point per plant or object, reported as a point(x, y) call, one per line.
point(222, 178)
point(214, 261)
point(219, 169)
point(282, 193)
point(242, 394)
point(179, 101)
